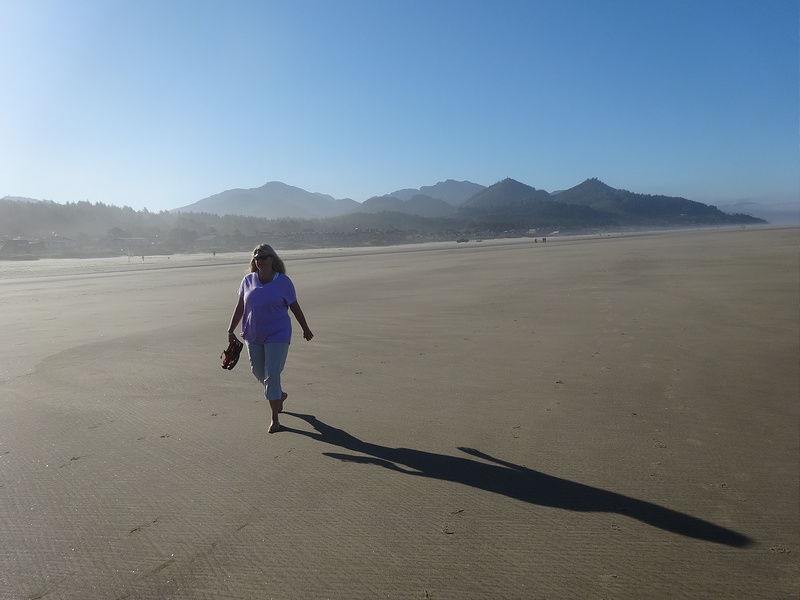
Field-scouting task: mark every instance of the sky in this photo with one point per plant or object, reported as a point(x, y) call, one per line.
point(159, 103)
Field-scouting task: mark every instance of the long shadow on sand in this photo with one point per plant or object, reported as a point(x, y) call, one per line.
point(515, 481)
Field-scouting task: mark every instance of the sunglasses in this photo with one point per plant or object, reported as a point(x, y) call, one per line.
point(261, 257)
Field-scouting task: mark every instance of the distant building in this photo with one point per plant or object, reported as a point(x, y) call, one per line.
point(60, 243)
point(130, 245)
point(20, 246)
point(208, 241)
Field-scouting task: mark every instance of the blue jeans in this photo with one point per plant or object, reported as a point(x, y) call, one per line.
point(266, 363)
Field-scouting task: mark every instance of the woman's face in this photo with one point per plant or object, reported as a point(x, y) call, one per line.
point(263, 262)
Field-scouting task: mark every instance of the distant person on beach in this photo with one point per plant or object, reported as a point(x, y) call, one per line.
point(266, 295)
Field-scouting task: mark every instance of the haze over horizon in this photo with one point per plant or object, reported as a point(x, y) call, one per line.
point(158, 105)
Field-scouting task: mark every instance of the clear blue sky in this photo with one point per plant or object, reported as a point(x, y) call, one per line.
point(159, 103)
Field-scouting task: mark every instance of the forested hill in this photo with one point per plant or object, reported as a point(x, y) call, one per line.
point(587, 206)
point(628, 207)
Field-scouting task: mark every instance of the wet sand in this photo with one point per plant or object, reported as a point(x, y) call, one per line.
point(588, 418)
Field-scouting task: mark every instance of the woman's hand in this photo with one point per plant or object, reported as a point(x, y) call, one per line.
point(301, 318)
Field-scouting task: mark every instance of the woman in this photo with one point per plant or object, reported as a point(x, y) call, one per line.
point(266, 295)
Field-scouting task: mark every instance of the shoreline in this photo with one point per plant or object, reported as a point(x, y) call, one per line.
point(16, 270)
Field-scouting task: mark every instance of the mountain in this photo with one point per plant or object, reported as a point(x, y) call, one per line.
point(589, 192)
point(452, 192)
point(510, 204)
point(505, 193)
point(625, 207)
point(419, 204)
point(274, 200)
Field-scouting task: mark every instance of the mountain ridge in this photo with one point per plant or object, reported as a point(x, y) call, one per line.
point(507, 208)
point(274, 199)
point(592, 201)
point(507, 204)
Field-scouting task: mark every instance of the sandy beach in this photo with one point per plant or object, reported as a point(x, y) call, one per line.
point(608, 417)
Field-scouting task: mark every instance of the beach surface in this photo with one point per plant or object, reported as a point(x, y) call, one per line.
point(598, 417)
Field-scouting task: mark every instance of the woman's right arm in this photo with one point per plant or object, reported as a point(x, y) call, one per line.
point(235, 318)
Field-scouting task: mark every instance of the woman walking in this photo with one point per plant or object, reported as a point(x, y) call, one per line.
point(266, 295)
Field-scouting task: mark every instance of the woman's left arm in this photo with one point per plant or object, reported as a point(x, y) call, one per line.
point(301, 318)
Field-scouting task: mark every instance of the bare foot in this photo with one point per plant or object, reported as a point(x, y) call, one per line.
point(284, 396)
point(274, 427)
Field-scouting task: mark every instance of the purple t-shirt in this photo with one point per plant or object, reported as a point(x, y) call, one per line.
point(266, 309)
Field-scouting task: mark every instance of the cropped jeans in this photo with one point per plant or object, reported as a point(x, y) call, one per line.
point(266, 363)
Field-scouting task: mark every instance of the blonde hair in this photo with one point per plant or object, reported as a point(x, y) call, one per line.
point(277, 263)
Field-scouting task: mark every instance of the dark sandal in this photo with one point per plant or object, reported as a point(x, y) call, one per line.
point(231, 355)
